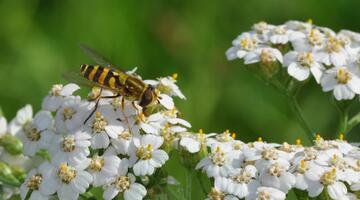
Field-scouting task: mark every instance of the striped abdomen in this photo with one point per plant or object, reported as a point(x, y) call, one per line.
point(101, 75)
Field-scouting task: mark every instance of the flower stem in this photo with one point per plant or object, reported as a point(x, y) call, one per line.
point(295, 107)
point(354, 121)
point(202, 185)
point(343, 108)
point(188, 183)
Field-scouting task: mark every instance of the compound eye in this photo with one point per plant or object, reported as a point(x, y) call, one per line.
point(147, 97)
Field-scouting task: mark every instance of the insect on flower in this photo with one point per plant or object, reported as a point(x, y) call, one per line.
point(106, 76)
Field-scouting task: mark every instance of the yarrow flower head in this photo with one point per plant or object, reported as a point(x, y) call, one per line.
point(304, 49)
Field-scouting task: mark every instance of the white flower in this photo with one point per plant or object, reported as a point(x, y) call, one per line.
point(103, 168)
point(147, 155)
point(333, 52)
point(70, 148)
point(104, 124)
point(276, 175)
point(152, 124)
point(299, 25)
point(262, 29)
point(282, 35)
point(342, 81)
point(166, 101)
point(122, 143)
point(71, 115)
point(314, 40)
point(68, 181)
point(37, 183)
point(193, 142)
point(167, 85)
point(220, 191)
point(57, 95)
point(264, 55)
point(35, 133)
point(218, 162)
point(242, 45)
point(301, 64)
point(267, 193)
point(124, 182)
point(240, 179)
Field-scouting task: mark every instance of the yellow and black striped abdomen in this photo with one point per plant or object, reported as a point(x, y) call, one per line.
point(104, 76)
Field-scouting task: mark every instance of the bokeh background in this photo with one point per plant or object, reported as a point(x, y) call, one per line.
point(39, 41)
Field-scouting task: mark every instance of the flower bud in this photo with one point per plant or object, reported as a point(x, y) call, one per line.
point(11, 144)
point(19, 173)
point(6, 175)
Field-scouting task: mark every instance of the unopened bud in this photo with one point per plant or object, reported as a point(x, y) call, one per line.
point(11, 144)
point(6, 175)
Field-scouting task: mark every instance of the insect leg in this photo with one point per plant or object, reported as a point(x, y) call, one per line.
point(110, 97)
point(93, 111)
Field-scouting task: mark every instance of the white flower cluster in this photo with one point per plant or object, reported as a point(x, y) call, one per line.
point(265, 171)
point(305, 50)
point(115, 149)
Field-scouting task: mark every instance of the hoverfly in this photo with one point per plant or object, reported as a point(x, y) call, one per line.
point(106, 76)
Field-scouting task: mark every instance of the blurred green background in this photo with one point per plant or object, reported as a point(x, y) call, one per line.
point(39, 41)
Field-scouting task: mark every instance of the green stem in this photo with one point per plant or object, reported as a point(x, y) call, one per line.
point(343, 108)
point(295, 107)
point(203, 188)
point(28, 194)
point(188, 183)
point(354, 121)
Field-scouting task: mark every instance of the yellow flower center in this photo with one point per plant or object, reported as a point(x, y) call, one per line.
point(68, 113)
point(243, 177)
point(56, 89)
point(122, 183)
point(31, 132)
point(267, 57)
point(343, 76)
point(218, 157)
point(260, 27)
point(144, 152)
point(99, 123)
point(269, 154)
point(215, 194)
point(96, 163)
point(68, 143)
point(66, 173)
point(279, 30)
point(34, 182)
point(329, 177)
point(276, 170)
point(174, 76)
point(125, 135)
point(224, 137)
point(315, 37)
point(248, 43)
point(303, 167)
point(334, 45)
point(263, 195)
point(305, 59)
point(341, 136)
point(298, 142)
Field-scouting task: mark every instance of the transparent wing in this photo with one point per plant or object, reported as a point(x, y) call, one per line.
point(95, 56)
point(75, 77)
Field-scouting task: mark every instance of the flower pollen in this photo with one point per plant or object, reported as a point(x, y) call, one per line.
point(122, 183)
point(96, 163)
point(68, 143)
point(343, 76)
point(34, 182)
point(66, 173)
point(99, 123)
point(144, 152)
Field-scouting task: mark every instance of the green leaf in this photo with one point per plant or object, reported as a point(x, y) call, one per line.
point(1, 112)
point(301, 194)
